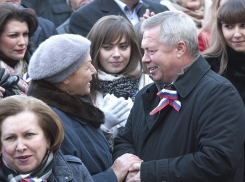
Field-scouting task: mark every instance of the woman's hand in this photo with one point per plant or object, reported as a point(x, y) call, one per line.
point(116, 110)
point(147, 15)
point(122, 164)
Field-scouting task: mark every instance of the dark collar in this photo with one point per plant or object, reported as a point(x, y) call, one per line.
point(186, 84)
point(81, 108)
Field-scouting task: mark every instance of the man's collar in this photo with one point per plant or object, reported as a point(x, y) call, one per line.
point(122, 5)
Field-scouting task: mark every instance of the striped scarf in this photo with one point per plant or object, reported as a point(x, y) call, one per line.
point(41, 174)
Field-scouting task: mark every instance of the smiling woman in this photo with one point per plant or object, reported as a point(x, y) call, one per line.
point(226, 54)
point(16, 26)
point(31, 134)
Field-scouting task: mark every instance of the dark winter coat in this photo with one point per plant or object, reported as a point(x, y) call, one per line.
point(83, 136)
point(44, 30)
point(84, 18)
point(235, 71)
point(203, 142)
point(57, 11)
point(66, 169)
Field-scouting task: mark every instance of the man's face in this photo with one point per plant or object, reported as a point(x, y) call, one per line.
point(76, 4)
point(161, 63)
point(130, 3)
point(11, 1)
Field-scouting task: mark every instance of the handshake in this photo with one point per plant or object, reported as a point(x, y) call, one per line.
point(116, 110)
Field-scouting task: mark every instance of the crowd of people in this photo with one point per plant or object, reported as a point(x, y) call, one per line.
point(122, 90)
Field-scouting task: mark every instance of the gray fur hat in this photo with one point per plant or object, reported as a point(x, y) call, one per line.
point(58, 57)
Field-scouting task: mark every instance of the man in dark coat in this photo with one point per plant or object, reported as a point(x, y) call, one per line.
point(84, 18)
point(57, 11)
point(197, 133)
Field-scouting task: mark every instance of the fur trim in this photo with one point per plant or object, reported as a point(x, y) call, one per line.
point(51, 95)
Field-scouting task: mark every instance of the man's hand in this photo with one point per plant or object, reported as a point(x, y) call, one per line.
point(122, 164)
point(134, 173)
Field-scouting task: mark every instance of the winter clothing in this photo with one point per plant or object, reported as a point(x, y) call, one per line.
point(235, 72)
point(81, 23)
point(44, 30)
point(19, 69)
point(202, 142)
point(53, 64)
point(197, 15)
point(56, 11)
point(83, 137)
point(42, 173)
point(107, 85)
point(66, 168)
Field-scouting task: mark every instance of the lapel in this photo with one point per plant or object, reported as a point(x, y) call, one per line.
point(183, 86)
point(195, 73)
point(110, 7)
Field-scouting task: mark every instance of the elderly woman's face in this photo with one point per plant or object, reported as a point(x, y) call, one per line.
point(78, 84)
point(24, 144)
point(14, 40)
point(192, 4)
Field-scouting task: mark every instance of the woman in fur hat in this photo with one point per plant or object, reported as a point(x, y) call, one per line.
point(61, 73)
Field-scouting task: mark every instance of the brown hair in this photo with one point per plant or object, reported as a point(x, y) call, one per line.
point(11, 12)
point(106, 30)
point(232, 11)
point(48, 120)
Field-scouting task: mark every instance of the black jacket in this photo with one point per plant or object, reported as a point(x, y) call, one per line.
point(57, 11)
point(44, 30)
point(235, 71)
point(84, 18)
point(201, 143)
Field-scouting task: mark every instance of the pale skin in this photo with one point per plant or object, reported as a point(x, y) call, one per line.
point(14, 40)
point(23, 142)
point(115, 56)
point(234, 35)
point(192, 4)
point(163, 64)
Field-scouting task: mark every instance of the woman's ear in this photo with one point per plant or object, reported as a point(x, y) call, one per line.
point(67, 81)
point(180, 49)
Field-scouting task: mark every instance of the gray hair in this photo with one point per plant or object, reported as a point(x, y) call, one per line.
point(175, 27)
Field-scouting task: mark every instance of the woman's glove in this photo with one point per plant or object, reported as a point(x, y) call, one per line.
point(7, 81)
point(116, 110)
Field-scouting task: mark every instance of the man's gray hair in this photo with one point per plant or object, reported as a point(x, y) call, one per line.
point(175, 27)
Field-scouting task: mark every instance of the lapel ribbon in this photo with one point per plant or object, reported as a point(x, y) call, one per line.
point(168, 97)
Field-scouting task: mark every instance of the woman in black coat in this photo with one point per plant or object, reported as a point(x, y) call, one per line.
point(226, 55)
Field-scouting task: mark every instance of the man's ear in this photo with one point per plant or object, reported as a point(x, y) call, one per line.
point(180, 49)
